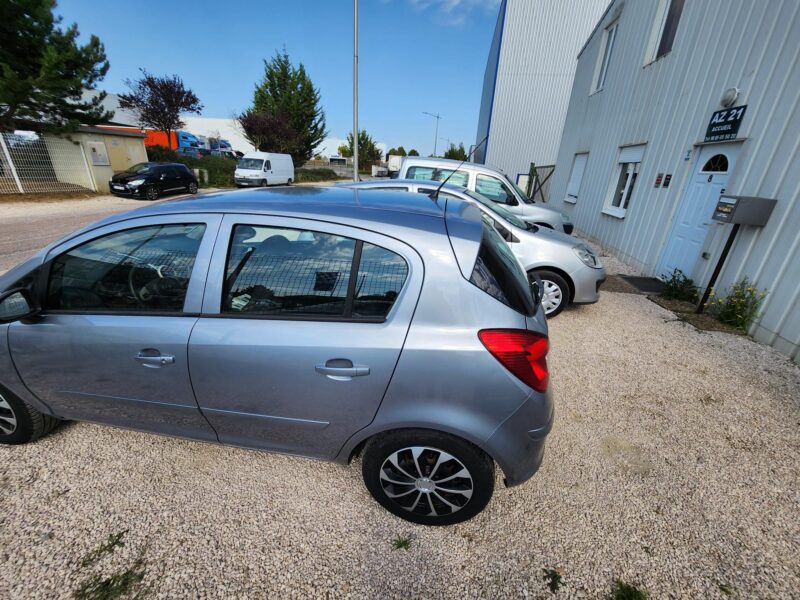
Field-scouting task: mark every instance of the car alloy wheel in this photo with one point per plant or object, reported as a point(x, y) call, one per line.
point(8, 420)
point(426, 481)
point(192, 188)
point(552, 296)
point(152, 192)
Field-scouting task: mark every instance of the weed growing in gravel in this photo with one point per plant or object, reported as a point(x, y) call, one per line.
point(401, 543)
point(740, 307)
point(623, 591)
point(117, 586)
point(725, 589)
point(553, 577)
point(679, 287)
point(114, 540)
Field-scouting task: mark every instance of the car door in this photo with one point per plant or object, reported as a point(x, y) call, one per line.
point(118, 305)
point(173, 180)
point(303, 323)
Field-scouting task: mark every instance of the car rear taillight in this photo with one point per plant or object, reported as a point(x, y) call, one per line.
point(522, 352)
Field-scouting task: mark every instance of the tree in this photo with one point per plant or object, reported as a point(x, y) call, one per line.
point(413, 152)
point(159, 102)
point(345, 150)
point(367, 150)
point(456, 152)
point(44, 72)
point(287, 92)
point(269, 133)
point(401, 151)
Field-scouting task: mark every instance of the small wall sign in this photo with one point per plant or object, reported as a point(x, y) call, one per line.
point(724, 124)
point(667, 179)
point(659, 177)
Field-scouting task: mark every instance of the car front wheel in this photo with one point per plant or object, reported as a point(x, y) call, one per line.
point(555, 292)
point(264, 183)
point(151, 192)
point(20, 423)
point(428, 477)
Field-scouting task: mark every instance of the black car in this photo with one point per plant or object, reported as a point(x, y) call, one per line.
point(150, 180)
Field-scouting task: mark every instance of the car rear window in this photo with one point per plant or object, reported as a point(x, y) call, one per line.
point(499, 274)
point(438, 174)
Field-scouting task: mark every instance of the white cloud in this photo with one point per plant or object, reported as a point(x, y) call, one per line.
point(455, 12)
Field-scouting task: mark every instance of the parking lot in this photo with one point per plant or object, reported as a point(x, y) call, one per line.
point(672, 466)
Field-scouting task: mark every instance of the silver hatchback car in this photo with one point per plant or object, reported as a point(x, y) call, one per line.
point(318, 322)
point(569, 270)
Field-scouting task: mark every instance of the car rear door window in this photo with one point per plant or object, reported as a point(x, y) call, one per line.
point(295, 273)
point(146, 269)
point(494, 189)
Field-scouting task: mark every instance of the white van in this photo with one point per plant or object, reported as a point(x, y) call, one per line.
point(263, 169)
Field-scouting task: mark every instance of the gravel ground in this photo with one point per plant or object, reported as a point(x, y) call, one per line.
point(673, 466)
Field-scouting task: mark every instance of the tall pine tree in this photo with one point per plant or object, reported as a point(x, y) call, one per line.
point(286, 93)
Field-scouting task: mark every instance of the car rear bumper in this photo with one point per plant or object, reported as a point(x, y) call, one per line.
point(518, 444)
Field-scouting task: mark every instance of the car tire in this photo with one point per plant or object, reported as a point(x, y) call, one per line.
point(20, 423)
point(289, 181)
point(192, 188)
point(406, 463)
point(555, 292)
point(264, 183)
point(151, 192)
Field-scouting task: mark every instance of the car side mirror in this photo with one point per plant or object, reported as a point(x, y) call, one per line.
point(16, 305)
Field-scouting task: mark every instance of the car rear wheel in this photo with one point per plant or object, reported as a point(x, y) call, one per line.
point(289, 181)
point(428, 477)
point(192, 187)
point(20, 423)
point(151, 192)
point(555, 292)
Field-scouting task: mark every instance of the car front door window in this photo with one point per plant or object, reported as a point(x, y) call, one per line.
point(494, 189)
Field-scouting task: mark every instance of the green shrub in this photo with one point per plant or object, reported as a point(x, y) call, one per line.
point(624, 591)
point(302, 175)
point(679, 287)
point(220, 169)
point(739, 307)
point(161, 154)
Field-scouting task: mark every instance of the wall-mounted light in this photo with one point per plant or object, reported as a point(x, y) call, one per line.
point(729, 97)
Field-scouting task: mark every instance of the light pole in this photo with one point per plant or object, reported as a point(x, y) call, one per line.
point(355, 90)
point(436, 116)
point(444, 139)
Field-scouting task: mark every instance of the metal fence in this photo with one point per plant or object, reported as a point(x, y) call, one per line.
point(35, 163)
point(537, 182)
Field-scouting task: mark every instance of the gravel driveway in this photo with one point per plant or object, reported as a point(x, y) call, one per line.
point(673, 466)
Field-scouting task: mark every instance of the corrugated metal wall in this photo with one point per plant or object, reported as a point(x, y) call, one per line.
point(540, 40)
point(667, 104)
point(489, 81)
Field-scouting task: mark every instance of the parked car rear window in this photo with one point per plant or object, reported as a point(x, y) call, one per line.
point(145, 269)
point(436, 174)
point(499, 274)
point(290, 273)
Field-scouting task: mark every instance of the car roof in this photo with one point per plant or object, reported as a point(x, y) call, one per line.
point(429, 160)
point(337, 202)
point(390, 182)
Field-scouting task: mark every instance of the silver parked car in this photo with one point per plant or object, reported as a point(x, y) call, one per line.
point(570, 271)
point(319, 322)
point(490, 183)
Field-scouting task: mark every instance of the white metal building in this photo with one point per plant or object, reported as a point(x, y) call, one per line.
point(528, 80)
point(659, 88)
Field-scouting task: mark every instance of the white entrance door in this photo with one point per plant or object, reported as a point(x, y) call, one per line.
point(714, 165)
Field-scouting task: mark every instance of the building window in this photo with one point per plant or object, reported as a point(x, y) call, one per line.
point(575, 177)
point(608, 47)
point(623, 181)
point(716, 164)
point(665, 28)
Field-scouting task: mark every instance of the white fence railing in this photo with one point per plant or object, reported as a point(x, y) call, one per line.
point(32, 163)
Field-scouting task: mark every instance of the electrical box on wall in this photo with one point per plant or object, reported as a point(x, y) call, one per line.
point(743, 210)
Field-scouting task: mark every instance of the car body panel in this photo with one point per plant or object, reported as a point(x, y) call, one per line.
point(166, 177)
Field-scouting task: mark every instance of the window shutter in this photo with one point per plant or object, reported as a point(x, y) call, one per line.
point(631, 154)
point(576, 176)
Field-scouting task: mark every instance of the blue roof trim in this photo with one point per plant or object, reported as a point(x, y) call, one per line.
point(494, 85)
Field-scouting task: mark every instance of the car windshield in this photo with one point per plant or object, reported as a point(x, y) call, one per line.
point(140, 168)
point(251, 163)
point(520, 192)
point(497, 209)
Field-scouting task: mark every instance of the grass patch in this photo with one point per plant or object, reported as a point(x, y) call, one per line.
point(624, 591)
point(306, 175)
point(554, 579)
point(401, 543)
point(118, 585)
point(725, 589)
point(114, 540)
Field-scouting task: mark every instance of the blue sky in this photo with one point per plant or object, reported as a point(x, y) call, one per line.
point(415, 56)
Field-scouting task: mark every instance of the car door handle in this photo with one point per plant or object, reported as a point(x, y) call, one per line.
point(340, 369)
point(154, 361)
